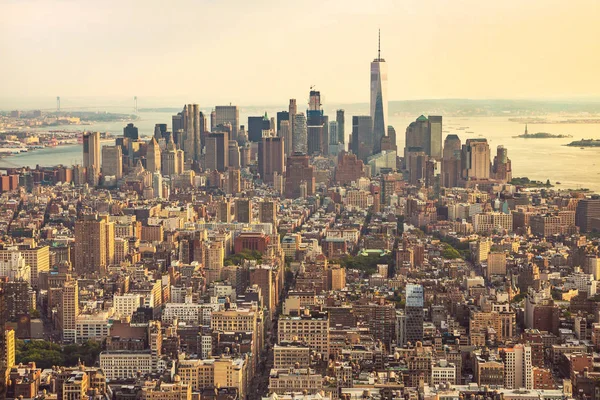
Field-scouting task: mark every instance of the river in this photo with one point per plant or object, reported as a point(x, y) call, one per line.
point(539, 159)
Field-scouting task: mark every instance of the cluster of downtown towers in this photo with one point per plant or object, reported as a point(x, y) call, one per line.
point(296, 132)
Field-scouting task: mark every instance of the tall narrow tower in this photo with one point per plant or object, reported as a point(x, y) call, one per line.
point(379, 103)
point(58, 103)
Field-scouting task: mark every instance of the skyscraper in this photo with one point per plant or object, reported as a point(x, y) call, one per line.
point(299, 135)
point(424, 134)
point(160, 131)
point(94, 244)
point(3, 355)
point(362, 137)
point(379, 103)
point(292, 111)
point(333, 138)
point(587, 214)
point(316, 125)
point(68, 309)
point(228, 115)
point(502, 167)
point(475, 160)
point(451, 161)
point(298, 172)
point(435, 137)
point(271, 158)
point(340, 119)
point(192, 140)
point(282, 116)
point(91, 156)
point(256, 126)
point(217, 151)
point(285, 132)
point(413, 311)
point(131, 132)
point(112, 161)
point(153, 156)
point(171, 160)
point(243, 210)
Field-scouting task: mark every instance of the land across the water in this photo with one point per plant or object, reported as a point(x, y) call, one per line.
point(585, 143)
point(542, 135)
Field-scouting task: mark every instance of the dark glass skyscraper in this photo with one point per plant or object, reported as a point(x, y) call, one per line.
point(131, 132)
point(255, 127)
point(340, 119)
point(379, 104)
point(414, 313)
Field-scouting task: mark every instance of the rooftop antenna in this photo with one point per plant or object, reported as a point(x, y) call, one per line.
point(379, 45)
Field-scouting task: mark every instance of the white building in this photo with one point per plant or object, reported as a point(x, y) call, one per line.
point(443, 372)
point(126, 304)
point(94, 326)
point(518, 371)
point(13, 266)
point(184, 312)
point(125, 364)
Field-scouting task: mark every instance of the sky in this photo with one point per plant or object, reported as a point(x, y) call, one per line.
point(265, 52)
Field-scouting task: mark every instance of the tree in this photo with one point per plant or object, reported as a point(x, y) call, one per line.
point(450, 253)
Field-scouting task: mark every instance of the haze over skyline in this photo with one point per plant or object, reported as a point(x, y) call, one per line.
point(265, 52)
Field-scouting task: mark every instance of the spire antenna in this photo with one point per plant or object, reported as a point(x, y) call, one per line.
point(379, 45)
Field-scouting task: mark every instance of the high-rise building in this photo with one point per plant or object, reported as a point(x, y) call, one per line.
point(234, 158)
point(451, 161)
point(256, 127)
point(518, 368)
point(131, 132)
point(234, 181)
point(112, 161)
point(10, 350)
point(285, 132)
point(282, 116)
point(3, 353)
point(177, 122)
point(153, 159)
point(379, 103)
point(362, 137)
point(68, 309)
point(435, 137)
point(228, 115)
point(502, 167)
point(217, 151)
point(333, 138)
point(160, 131)
point(94, 244)
point(475, 160)
point(192, 141)
point(171, 160)
point(317, 125)
point(91, 156)
point(243, 210)
point(224, 211)
point(340, 119)
point(17, 299)
point(413, 311)
point(271, 158)
point(587, 214)
point(38, 258)
point(298, 172)
point(267, 212)
point(299, 134)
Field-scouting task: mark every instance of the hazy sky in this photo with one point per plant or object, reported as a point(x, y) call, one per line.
point(264, 52)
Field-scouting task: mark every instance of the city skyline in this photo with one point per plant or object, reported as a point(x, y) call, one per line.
point(475, 42)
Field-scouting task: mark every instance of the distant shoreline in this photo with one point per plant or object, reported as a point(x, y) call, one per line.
point(542, 135)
